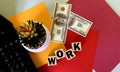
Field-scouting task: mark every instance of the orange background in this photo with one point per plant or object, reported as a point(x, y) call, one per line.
point(38, 13)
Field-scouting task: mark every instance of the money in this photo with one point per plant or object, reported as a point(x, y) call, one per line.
point(58, 33)
point(79, 24)
point(60, 21)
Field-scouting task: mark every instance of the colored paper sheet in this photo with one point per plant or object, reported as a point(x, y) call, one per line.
point(84, 60)
point(107, 22)
point(38, 13)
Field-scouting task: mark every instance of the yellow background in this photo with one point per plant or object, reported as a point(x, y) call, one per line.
point(38, 13)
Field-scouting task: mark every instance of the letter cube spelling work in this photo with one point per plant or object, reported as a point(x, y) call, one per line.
point(69, 54)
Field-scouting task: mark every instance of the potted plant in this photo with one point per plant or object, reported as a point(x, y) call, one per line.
point(32, 35)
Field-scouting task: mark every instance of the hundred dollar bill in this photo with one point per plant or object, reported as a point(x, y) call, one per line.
point(60, 21)
point(79, 24)
point(59, 33)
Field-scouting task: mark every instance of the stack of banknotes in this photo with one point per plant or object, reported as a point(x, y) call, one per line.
point(64, 19)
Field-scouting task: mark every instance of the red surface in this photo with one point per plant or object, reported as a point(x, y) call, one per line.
point(84, 60)
point(108, 23)
point(108, 49)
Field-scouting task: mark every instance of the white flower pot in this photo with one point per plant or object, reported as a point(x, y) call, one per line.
point(44, 46)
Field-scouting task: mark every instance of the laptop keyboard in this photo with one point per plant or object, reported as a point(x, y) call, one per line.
point(13, 57)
